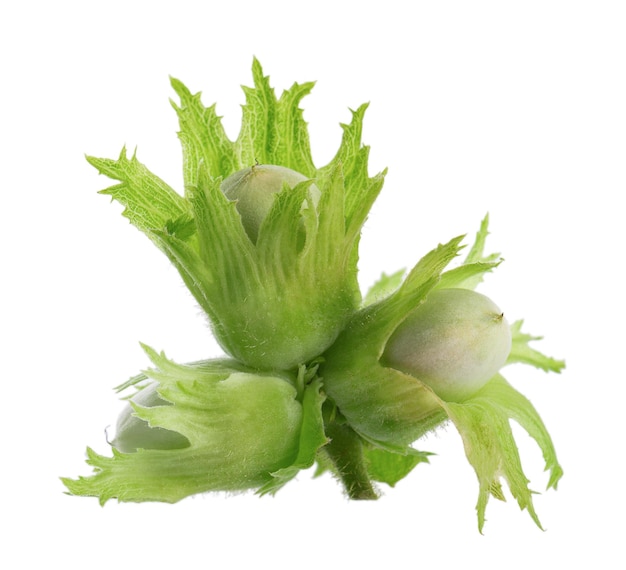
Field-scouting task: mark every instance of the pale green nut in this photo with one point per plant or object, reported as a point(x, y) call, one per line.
point(455, 342)
point(210, 426)
point(254, 190)
point(394, 367)
point(132, 433)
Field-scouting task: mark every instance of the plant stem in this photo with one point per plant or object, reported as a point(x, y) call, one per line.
point(345, 450)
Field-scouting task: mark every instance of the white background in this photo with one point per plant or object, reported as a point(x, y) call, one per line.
point(515, 108)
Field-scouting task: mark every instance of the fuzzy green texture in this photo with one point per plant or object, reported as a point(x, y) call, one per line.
point(273, 304)
point(307, 380)
point(392, 409)
point(245, 431)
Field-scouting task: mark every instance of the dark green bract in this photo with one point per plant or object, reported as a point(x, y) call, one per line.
point(314, 373)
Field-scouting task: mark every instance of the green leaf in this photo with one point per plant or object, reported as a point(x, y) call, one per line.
point(312, 438)
point(387, 467)
point(421, 279)
point(466, 276)
point(519, 409)
point(149, 202)
point(183, 228)
point(273, 131)
point(277, 246)
point(386, 285)
point(328, 247)
point(522, 352)
point(352, 158)
point(477, 251)
point(476, 264)
point(257, 139)
point(203, 138)
point(227, 254)
point(483, 422)
point(294, 149)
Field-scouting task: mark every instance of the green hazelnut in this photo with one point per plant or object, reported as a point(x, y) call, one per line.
point(454, 342)
point(254, 191)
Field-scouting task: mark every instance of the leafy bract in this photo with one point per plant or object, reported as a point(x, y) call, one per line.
point(466, 275)
point(483, 422)
point(391, 410)
point(470, 273)
point(522, 352)
point(383, 405)
point(242, 428)
point(386, 285)
point(304, 296)
point(308, 379)
point(312, 438)
point(388, 467)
